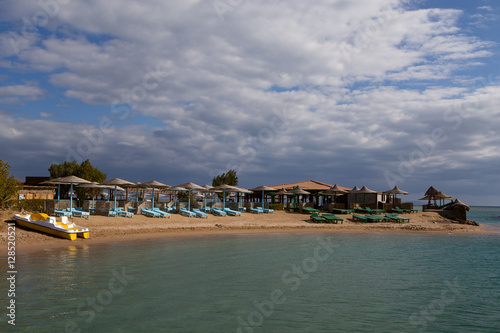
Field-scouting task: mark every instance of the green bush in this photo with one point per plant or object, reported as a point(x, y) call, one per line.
point(276, 206)
point(29, 205)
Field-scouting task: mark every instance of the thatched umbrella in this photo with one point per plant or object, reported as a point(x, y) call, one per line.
point(335, 190)
point(67, 180)
point(116, 182)
point(242, 190)
point(441, 196)
point(365, 191)
point(297, 190)
point(176, 189)
point(191, 186)
point(355, 191)
point(282, 192)
point(395, 191)
point(224, 188)
point(154, 183)
point(95, 185)
point(263, 188)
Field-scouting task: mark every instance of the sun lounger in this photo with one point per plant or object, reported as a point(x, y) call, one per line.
point(361, 210)
point(80, 213)
point(206, 209)
point(149, 212)
point(332, 218)
point(377, 218)
point(397, 218)
point(374, 211)
point(265, 210)
point(188, 213)
point(242, 209)
point(232, 212)
point(343, 211)
point(361, 218)
point(124, 213)
point(316, 218)
point(112, 212)
point(131, 209)
point(199, 213)
point(256, 211)
point(161, 212)
point(62, 212)
point(218, 211)
point(310, 210)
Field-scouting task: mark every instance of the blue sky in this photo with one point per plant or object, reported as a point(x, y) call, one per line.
point(365, 92)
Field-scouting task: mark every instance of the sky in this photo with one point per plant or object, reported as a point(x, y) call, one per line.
point(360, 92)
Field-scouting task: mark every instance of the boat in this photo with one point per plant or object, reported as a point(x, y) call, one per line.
point(57, 226)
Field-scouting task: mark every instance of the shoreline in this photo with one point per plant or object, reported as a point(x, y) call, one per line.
point(105, 229)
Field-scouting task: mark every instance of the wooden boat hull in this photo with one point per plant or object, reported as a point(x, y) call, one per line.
point(49, 225)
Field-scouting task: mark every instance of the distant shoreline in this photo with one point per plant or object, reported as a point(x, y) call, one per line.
point(105, 229)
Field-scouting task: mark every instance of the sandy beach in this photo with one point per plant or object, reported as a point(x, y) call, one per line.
point(104, 229)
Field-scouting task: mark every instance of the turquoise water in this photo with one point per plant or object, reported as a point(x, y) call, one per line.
point(281, 282)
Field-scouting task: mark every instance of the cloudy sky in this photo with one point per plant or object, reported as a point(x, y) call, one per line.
point(353, 92)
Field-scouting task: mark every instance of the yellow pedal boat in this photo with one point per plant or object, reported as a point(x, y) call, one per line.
point(59, 226)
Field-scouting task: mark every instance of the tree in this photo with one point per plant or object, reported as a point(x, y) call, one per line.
point(228, 178)
point(84, 170)
point(8, 185)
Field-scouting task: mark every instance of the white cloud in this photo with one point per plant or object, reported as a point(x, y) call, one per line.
point(358, 80)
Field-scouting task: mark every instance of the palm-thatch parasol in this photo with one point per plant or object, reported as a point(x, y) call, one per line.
point(242, 190)
point(335, 190)
point(116, 182)
point(395, 191)
point(282, 192)
point(364, 190)
point(154, 183)
point(355, 191)
point(224, 188)
point(67, 180)
point(263, 188)
point(191, 186)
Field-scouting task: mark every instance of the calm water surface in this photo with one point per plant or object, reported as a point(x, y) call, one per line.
point(266, 283)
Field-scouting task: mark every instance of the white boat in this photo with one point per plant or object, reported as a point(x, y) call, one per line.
point(59, 226)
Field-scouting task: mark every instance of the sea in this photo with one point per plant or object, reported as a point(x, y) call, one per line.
point(276, 282)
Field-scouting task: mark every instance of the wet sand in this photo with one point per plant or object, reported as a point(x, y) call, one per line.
point(106, 229)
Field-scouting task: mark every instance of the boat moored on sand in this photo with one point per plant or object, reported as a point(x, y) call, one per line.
point(60, 226)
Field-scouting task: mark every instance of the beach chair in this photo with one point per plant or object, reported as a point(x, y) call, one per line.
point(310, 210)
point(162, 213)
point(188, 213)
point(124, 213)
point(206, 209)
point(377, 218)
point(360, 218)
point(361, 210)
point(149, 212)
point(374, 211)
point(256, 211)
point(342, 211)
point(265, 210)
point(332, 218)
point(199, 213)
point(131, 209)
point(218, 211)
point(62, 212)
point(232, 212)
point(112, 212)
point(316, 218)
point(80, 213)
point(242, 209)
point(397, 218)
point(400, 211)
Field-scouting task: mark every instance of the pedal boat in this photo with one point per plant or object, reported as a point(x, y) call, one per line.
point(59, 226)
